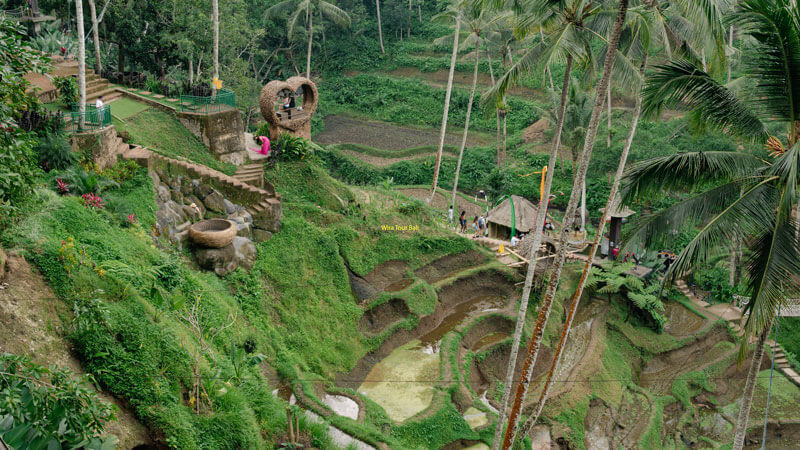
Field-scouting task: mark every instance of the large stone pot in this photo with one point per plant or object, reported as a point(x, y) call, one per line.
point(213, 233)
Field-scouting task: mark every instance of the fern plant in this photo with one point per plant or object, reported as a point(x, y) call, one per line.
point(642, 299)
point(54, 152)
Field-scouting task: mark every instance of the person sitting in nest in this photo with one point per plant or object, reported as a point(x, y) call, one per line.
point(287, 106)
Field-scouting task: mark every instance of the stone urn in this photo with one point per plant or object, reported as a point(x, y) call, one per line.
point(213, 233)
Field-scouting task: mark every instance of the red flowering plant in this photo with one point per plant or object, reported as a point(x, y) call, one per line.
point(93, 201)
point(63, 186)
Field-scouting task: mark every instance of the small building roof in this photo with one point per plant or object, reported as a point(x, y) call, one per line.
point(524, 212)
point(619, 210)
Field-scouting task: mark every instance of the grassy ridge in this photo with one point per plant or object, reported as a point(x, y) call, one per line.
point(164, 134)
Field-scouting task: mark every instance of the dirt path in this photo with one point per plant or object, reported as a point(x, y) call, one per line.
point(31, 325)
point(440, 201)
point(341, 129)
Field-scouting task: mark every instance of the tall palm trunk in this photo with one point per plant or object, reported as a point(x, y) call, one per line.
point(443, 132)
point(496, 112)
point(215, 19)
point(310, 39)
point(410, 15)
point(730, 44)
point(569, 219)
point(191, 69)
point(380, 30)
point(547, 68)
point(749, 389)
point(576, 298)
point(608, 117)
point(81, 62)
point(538, 225)
point(466, 125)
point(583, 205)
point(98, 67)
point(419, 10)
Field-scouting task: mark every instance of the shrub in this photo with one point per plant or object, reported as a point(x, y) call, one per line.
point(67, 89)
point(54, 152)
point(121, 171)
point(87, 182)
point(49, 407)
point(291, 148)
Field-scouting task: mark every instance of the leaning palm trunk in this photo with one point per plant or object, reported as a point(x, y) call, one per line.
point(380, 30)
point(466, 125)
point(81, 63)
point(496, 112)
point(443, 132)
point(538, 225)
point(580, 177)
point(215, 18)
point(98, 67)
point(310, 40)
point(576, 298)
point(749, 389)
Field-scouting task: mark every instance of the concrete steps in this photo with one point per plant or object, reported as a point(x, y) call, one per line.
point(252, 174)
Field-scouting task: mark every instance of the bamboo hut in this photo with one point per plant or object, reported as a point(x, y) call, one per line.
point(500, 217)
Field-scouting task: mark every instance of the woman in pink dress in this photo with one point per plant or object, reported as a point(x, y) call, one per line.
point(265, 146)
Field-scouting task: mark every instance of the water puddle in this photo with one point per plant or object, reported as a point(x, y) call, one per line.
point(284, 392)
point(463, 311)
point(399, 285)
point(403, 382)
point(489, 340)
point(478, 446)
point(342, 405)
point(485, 401)
point(475, 418)
point(339, 437)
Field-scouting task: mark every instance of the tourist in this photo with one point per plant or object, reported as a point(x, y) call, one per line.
point(98, 105)
point(287, 107)
point(514, 241)
point(475, 227)
point(635, 259)
point(614, 253)
point(481, 223)
point(462, 220)
point(450, 216)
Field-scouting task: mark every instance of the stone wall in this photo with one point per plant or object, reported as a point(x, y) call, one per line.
point(102, 145)
point(222, 133)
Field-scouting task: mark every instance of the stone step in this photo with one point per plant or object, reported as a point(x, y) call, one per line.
point(781, 361)
point(105, 92)
point(97, 87)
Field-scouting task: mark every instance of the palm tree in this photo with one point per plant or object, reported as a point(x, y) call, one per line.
point(215, 20)
point(380, 31)
point(81, 62)
point(443, 131)
point(755, 198)
point(569, 41)
point(569, 218)
point(98, 67)
point(476, 26)
point(295, 9)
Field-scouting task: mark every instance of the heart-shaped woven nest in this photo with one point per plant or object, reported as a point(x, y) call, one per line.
point(269, 97)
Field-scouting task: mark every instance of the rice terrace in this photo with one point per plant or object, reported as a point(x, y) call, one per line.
point(317, 224)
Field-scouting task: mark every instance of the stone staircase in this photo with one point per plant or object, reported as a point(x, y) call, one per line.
point(95, 84)
point(734, 317)
point(263, 203)
point(252, 174)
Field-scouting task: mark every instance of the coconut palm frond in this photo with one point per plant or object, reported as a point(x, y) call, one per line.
point(652, 229)
point(748, 215)
point(293, 21)
point(775, 61)
point(773, 268)
point(681, 82)
point(681, 171)
point(553, 49)
point(334, 14)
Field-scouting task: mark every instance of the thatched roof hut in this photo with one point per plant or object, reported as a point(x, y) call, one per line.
point(500, 218)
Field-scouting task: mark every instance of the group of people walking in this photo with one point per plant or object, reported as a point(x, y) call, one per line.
point(480, 224)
